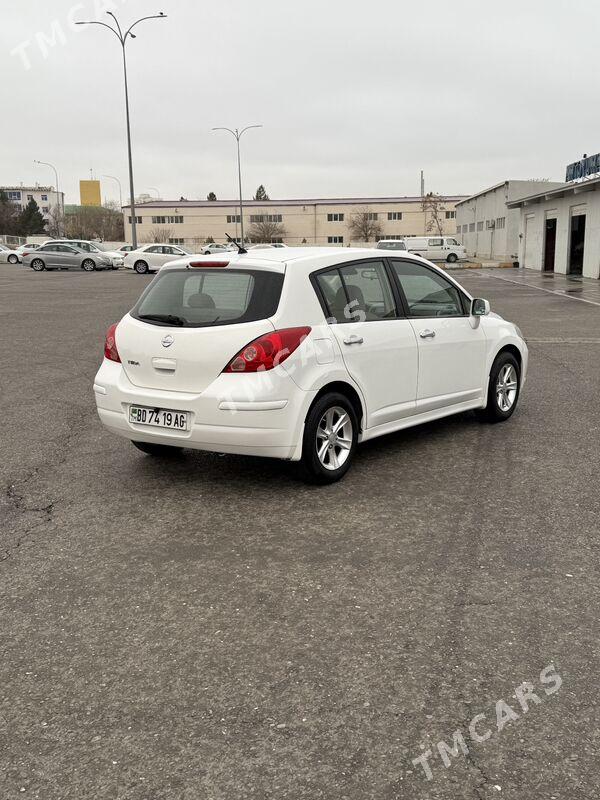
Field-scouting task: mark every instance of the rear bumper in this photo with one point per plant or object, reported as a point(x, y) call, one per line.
point(260, 415)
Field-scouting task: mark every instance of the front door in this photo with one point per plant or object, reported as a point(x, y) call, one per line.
point(550, 245)
point(378, 344)
point(452, 348)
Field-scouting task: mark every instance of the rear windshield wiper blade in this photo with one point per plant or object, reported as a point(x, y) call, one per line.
point(168, 319)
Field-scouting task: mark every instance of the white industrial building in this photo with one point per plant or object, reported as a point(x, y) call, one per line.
point(560, 229)
point(45, 196)
point(487, 226)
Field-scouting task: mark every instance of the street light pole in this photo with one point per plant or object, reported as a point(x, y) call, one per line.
point(60, 210)
point(238, 135)
point(112, 177)
point(122, 37)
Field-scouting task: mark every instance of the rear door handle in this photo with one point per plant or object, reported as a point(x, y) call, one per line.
point(354, 340)
point(427, 334)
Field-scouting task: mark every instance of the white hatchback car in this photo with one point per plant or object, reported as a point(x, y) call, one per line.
point(302, 354)
point(151, 257)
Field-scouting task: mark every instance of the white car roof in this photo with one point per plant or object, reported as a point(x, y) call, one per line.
point(276, 259)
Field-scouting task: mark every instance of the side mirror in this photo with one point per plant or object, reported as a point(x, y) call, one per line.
point(479, 307)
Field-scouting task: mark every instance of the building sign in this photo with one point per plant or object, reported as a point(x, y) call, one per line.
point(588, 166)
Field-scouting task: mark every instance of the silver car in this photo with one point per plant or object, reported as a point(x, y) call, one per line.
point(91, 247)
point(65, 256)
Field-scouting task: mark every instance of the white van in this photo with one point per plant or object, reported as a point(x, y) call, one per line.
point(436, 248)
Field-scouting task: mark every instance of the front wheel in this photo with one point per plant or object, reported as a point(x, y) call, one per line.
point(38, 265)
point(140, 267)
point(452, 258)
point(330, 436)
point(13, 259)
point(504, 388)
point(161, 450)
point(88, 265)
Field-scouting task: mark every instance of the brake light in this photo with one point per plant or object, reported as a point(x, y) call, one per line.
point(268, 351)
point(110, 345)
point(209, 264)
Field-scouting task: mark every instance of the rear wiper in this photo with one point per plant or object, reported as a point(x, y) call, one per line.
point(169, 319)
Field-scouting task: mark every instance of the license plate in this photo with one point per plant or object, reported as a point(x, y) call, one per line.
point(159, 418)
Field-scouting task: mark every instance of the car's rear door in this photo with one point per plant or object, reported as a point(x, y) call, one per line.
point(69, 256)
point(452, 349)
point(49, 255)
point(377, 342)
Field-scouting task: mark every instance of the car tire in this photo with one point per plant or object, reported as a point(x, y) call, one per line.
point(88, 265)
point(38, 265)
point(452, 258)
point(159, 450)
point(324, 460)
point(12, 259)
point(504, 388)
point(141, 267)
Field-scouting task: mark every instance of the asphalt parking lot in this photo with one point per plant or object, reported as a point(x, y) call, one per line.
point(209, 628)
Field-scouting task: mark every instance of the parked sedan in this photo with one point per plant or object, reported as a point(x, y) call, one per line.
point(65, 256)
point(151, 257)
point(301, 354)
point(7, 254)
point(215, 248)
point(91, 247)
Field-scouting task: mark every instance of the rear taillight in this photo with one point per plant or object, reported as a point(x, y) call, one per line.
point(110, 344)
point(268, 351)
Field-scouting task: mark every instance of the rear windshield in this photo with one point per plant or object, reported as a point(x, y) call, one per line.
point(198, 298)
point(391, 246)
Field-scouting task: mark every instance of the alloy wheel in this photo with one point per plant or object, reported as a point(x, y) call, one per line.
point(506, 387)
point(37, 264)
point(334, 438)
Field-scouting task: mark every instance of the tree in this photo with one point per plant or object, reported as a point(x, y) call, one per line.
point(434, 204)
point(211, 196)
point(8, 215)
point(31, 220)
point(55, 221)
point(261, 193)
point(364, 225)
point(161, 235)
point(95, 222)
point(265, 229)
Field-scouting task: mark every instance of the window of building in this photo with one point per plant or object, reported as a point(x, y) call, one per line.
point(258, 218)
point(472, 227)
point(335, 240)
point(233, 219)
point(394, 216)
point(45, 209)
point(176, 241)
point(501, 222)
point(159, 220)
point(450, 214)
point(44, 198)
point(29, 197)
point(335, 217)
point(13, 195)
point(138, 220)
point(372, 216)
point(395, 236)
point(480, 226)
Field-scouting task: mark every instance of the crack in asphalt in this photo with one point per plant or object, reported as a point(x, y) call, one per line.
point(486, 781)
point(15, 492)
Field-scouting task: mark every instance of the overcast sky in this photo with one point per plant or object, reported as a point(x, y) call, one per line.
point(355, 97)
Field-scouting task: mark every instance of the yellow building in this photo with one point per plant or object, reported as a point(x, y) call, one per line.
point(89, 193)
point(296, 222)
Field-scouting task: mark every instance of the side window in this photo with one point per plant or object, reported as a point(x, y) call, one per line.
point(154, 249)
point(358, 293)
point(435, 243)
point(427, 293)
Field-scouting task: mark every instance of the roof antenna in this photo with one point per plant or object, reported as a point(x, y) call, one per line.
point(240, 247)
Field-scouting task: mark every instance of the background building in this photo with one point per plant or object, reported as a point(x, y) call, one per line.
point(89, 193)
point(487, 227)
point(296, 222)
point(560, 229)
point(45, 196)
